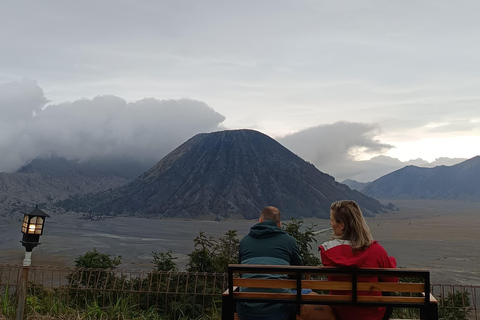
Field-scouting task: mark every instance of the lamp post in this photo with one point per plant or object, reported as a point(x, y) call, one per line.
point(32, 229)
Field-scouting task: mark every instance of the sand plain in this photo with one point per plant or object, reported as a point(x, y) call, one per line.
point(442, 236)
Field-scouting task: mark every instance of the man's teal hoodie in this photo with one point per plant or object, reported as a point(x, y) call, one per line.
point(267, 244)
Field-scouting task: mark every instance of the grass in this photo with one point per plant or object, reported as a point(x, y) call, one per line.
point(49, 305)
point(7, 304)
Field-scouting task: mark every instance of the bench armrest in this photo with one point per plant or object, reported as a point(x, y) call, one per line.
point(432, 298)
point(235, 288)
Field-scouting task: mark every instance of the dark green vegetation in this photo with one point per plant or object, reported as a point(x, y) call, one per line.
point(455, 306)
point(214, 256)
point(226, 174)
point(304, 241)
point(457, 182)
point(163, 261)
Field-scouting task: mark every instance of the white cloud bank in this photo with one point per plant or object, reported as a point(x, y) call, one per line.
point(103, 126)
point(334, 149)
point(147, 129)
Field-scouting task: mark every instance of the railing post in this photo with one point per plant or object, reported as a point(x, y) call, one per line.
point(23, 285)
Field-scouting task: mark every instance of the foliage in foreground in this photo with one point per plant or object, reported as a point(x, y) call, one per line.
point(304, 241)
point(214, 256)
point(455, 306)
point(49, 307)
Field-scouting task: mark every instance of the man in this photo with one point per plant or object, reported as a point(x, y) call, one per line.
point(267, 243)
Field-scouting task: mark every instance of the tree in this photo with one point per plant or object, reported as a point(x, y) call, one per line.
point(455, 306)
point(97, 260)
point(163, 261)
point(201, 259)
point(92, 278)
point(211, 255)
point(226, 251)
point(304, 241)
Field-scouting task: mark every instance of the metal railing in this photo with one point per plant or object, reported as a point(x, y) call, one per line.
point(460, 300)
point(52, 289)
point(165, 293)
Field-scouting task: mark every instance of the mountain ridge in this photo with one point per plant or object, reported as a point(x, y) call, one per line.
point(49, 179)
point(226, 174)
point(458, 182)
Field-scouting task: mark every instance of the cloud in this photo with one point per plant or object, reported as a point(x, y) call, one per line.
point(453, 126)
point(326, 145)
point(103, 126)
point(147, 129)
point(20, 100)
point(332, 149)
point(370, 170)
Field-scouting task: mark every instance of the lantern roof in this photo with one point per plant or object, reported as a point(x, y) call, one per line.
point(37, 212)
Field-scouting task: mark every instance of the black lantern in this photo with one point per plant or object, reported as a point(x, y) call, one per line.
point(32, 228)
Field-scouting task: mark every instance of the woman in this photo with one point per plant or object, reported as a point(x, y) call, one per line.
point(353, 246)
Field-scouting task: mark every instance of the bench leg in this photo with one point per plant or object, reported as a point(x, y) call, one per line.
point(228, 308)
point(430, 312)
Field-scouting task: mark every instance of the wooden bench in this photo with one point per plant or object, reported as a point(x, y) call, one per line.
point(394, 294)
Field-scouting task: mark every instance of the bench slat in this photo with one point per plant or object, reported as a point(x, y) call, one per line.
point(329, 285)
point(327, 297)
point(391, 287)
point(393, 299)
point(289, 296)
point(400, 299)
point(265, 283)
point(364, 286)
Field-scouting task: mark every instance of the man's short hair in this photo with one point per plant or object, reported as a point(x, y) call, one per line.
point(271, 213)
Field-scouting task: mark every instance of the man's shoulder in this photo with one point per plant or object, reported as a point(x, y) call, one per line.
point(279, 237)
point(245, 237)
point(287, 236)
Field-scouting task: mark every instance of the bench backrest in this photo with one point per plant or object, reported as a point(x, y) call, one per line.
point(352, 288)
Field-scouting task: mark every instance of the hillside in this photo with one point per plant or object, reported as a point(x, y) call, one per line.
point(355, 185)
point(50, 179)
point(459, 182)
point(226, 174)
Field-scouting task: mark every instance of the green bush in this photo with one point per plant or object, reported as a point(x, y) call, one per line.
point(455, 306)
point(213, 256)
point(304, 241)
point(163, 261)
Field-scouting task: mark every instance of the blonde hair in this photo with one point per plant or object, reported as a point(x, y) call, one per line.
point(355, 229)
point(271, 213)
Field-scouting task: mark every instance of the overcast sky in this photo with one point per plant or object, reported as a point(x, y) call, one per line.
point(335, 81)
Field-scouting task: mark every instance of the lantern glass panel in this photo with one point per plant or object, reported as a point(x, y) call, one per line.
point(31, 225)
point(25, 224)
point(38, 225)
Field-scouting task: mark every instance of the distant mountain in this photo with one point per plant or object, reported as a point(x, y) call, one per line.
point(224, 174)
point(459, 182)
point(50, 179)
point(355, 185)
